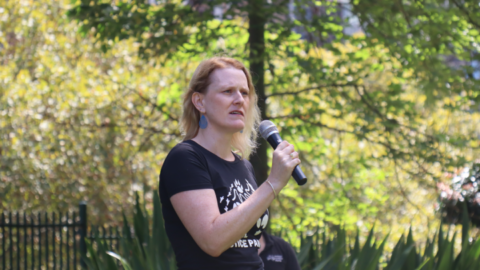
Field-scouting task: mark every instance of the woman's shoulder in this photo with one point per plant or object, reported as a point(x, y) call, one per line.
point(184, 156)
point(182, 150)
point(184, 169)
point(183, 146)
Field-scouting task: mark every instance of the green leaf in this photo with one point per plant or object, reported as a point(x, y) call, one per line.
point(321, 265)
point(125, 264)
point(446, 257)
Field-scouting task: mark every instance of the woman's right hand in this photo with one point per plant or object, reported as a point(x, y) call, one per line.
point(284, 160)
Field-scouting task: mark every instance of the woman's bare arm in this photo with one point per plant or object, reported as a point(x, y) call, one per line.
point(215, 232)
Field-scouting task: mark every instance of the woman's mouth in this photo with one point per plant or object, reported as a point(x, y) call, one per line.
point(237, 113)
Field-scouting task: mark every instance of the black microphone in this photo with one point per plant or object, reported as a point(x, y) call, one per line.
point(269, 132)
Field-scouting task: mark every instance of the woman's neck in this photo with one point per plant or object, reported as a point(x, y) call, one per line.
point(215, 142)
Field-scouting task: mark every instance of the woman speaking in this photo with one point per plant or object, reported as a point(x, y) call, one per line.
point(213, 210)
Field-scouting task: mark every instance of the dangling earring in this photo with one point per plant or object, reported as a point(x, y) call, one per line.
point(203, 123)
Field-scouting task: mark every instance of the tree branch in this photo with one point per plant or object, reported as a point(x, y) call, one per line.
point(366, 102)
point(464, 11)
point(300, 116)
point(404, 194)
point(377, 112)
point(153, 104)
point(309, 89)
point(147, 100)
point(109, 125)
point(340, 168)
point(405, 15)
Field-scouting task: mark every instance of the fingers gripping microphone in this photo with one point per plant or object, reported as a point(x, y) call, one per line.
point(269, 132)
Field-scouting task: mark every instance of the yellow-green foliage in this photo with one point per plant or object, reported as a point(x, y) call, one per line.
point(80, 124)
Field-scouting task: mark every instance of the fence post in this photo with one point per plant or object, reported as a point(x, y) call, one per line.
point(83, 232)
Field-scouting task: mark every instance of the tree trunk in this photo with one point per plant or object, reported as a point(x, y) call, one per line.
point(256, 42)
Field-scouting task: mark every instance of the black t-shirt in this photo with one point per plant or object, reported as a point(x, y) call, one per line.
point(278, 254)
point(189, 166)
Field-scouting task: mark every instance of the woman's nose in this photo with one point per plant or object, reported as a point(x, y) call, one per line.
point(239, 97)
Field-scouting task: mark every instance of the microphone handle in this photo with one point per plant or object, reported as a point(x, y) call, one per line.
point(297, 173)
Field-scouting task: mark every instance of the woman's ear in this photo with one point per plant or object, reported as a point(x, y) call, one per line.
point(198, 101)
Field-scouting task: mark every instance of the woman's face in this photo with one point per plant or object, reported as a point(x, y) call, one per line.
point(226, 100)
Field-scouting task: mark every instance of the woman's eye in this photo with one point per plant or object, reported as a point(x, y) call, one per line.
point(245, 93)
point(227, 91)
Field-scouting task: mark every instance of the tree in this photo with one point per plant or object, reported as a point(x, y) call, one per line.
point(373, 130)
point(75, 124)
point(162, 28)
point(409, 45)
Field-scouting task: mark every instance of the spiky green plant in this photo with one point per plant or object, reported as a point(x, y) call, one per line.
point(147, 249)
point(333, 253)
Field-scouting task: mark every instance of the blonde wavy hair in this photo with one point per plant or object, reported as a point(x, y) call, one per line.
point(245, 142)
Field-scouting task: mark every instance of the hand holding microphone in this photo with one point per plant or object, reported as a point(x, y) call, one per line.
point(284, 156)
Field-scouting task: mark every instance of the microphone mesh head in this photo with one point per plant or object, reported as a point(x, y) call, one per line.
point(266, 128)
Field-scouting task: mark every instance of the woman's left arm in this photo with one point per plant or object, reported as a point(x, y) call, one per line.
point(215, 232)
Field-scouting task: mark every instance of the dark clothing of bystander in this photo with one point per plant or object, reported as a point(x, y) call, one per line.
point(278, 254)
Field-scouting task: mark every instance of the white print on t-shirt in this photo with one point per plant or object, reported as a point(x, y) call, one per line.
point(246, 243)
point(237, 194)
point(275, 258)
point(261, 224)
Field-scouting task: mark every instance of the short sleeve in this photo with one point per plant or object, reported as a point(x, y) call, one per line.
point(184, 169)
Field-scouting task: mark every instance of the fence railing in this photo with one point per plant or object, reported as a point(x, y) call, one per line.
point(49, 240)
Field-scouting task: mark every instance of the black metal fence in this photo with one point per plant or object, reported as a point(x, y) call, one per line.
point(48, 240)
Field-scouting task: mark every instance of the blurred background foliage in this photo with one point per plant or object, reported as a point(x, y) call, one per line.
point(328, 249)
point(380, 98)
